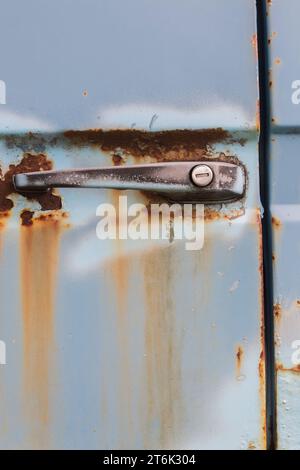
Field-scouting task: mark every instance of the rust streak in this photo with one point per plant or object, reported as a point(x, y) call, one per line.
point(119, 273)
point(162, 351)
point(239, 357)
point(39, 245)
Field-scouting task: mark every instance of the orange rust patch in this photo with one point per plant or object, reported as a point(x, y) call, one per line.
point(277, 61)
point(3, 217)
point(298, 303)
point(47, 200)
point(171, 145)
point(212, 214)
point(39, 246)
point(276, 222)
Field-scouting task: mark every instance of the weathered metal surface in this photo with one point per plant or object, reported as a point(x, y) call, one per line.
point(284, 63)
point(123, 343)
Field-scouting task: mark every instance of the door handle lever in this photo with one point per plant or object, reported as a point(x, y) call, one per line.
point(190, 181)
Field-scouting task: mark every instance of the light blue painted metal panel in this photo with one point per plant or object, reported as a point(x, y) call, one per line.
point(124, 344)
point(285, 199)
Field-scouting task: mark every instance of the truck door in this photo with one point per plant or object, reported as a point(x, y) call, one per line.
point(118, 341)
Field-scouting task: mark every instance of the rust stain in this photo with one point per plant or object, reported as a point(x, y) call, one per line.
point(254, 44)
point(273, 257)
point(162, 351)
point(3, 218)
point(211, 214)
point(281, 368)
point(277, 310)
point(26, 217)
point(257, 115)
point(298, 303)
point(29, 163)
point(238, 360)
point(273, 35)
point(251, 445)
point(29, 217)
point(262, 393)
point(118, 270)
point(276, 222)
point(39, 246)
point(117, 160)
point(171, 145)
point(277, 61)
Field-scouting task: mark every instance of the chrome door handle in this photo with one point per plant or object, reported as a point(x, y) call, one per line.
point(191, 181)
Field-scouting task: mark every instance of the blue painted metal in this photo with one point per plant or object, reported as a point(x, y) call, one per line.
point(119, 344)
point(285, 206)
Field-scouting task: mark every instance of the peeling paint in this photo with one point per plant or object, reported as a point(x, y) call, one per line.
point(48, 200)
point(172, 145)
